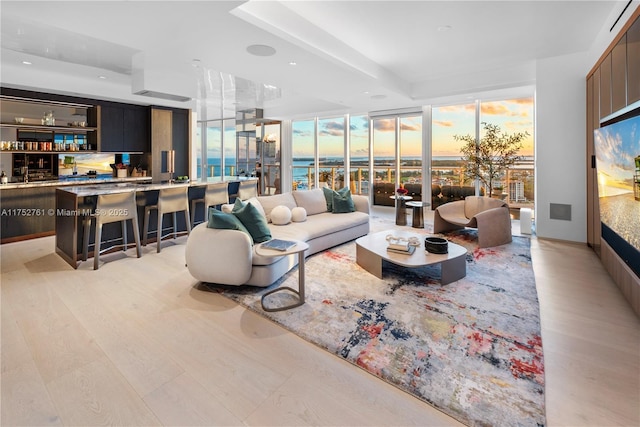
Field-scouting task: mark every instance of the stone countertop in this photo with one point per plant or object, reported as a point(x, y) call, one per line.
point(123, 187)
point(73, 182)
point(65, 183)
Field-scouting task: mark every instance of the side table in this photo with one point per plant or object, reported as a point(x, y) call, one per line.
point(418, 217)
point(299, 248)
point(401, 210)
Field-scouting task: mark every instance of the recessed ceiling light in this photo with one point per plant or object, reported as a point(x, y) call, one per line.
point(102, 77)
point(261, 50)
point(26, 62)
point(293, 63)
point(444, 28)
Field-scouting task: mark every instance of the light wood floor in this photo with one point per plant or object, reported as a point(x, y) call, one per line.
point(137, 343)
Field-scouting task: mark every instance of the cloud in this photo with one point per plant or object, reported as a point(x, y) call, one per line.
point(332, 128)
point(494, 109)
point(443, 123)
point(385, 125)
point(410, 126)
point(457, 108)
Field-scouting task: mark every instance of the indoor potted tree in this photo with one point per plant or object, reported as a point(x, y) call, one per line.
point(489, 158)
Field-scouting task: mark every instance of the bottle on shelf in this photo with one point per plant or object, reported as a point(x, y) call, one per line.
point(4, 179)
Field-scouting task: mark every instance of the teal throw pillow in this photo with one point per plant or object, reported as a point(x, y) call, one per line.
point(328, 196)
point(342, 201)
point(253, 221)
point(225, 221)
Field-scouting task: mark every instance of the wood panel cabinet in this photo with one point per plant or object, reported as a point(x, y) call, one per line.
point(605, 87)
point(124, 128)
point(180, 131)
point(619, 75)
point(633, 63)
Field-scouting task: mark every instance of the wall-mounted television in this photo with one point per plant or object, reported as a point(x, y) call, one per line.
point(617, 148)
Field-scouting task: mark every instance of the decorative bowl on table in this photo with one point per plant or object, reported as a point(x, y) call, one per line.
point(436, 245)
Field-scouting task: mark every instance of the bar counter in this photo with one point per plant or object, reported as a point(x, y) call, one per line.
point(73, 203)
point(28, 209)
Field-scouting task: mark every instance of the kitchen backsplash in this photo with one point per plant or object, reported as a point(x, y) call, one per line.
point(84, 163)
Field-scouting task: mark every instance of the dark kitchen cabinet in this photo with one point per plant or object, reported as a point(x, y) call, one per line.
point(180, 131)
point(124, 128)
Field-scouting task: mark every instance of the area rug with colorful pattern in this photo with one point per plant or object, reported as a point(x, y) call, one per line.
point(471, 348)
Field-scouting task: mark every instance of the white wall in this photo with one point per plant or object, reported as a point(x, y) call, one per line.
point(560, 145)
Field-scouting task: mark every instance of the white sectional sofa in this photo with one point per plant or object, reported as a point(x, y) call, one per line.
point(228, 256)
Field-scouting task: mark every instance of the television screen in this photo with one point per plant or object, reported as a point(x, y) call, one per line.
point(617, 148)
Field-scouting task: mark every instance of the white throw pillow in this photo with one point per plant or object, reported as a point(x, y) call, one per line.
point(298, 214)
point(281, 215)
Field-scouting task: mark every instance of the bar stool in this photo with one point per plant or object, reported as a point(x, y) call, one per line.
point(247, 189)
point(215, 194)
point(171, 200)
point(118, 207)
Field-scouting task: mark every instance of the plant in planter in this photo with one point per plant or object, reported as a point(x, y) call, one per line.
point(324, 176)
point(489, 158)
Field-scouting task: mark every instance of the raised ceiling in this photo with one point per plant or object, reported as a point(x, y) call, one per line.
point(350, 56)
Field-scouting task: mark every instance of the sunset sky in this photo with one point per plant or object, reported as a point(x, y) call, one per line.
point(511, 115)
point(616, 147)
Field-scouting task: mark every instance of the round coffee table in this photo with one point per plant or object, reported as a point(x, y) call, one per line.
point(299, 248)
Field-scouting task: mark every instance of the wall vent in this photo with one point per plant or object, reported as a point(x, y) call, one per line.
point(560, 211)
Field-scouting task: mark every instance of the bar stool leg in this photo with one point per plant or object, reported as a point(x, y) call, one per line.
point(174, 217)
point(124, 235)
point(136, 235)
point(96, 250)
point(159, 232)
point(186, 219)
point(145, 228)
point(85, 237)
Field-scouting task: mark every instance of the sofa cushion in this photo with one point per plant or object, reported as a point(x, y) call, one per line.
point(313, 201)
point(253, 221)
point(281, 215)
point(342, 201)
point(270, 202)
point(319, 225)
point(225, 221)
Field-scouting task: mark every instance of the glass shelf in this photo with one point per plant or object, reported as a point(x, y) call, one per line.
point(48, 128)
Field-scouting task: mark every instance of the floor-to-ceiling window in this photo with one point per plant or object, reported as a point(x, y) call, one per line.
point(268, 140)
point(411, 155)
point(359, 154)
point(216, 138)
point(303, 154)
point(516, 184)
point(446, 159)
point(331, 145)
point(384, 160)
